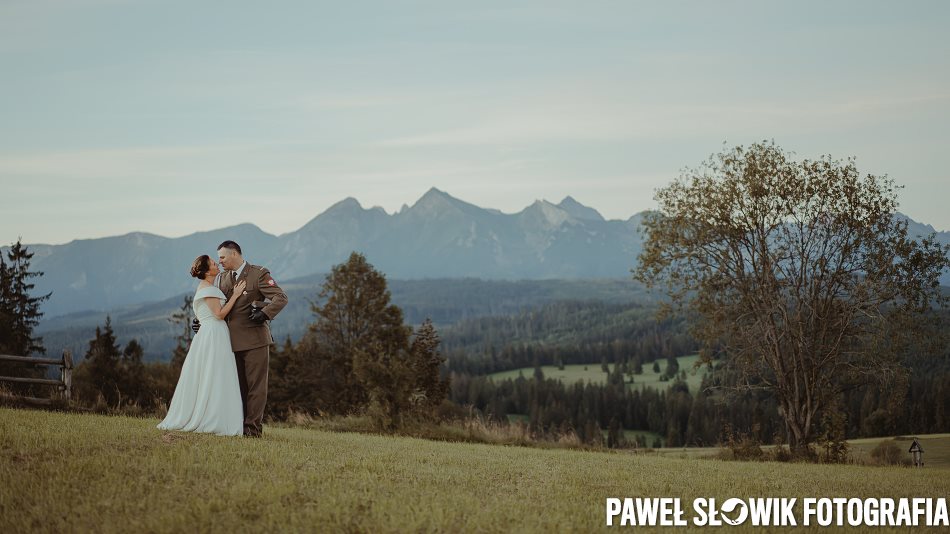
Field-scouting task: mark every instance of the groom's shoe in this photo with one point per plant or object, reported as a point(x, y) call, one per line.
point(252, 434)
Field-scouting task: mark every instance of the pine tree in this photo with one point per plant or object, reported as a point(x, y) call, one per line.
point(637, 366)
point(538, 373)
point(614, 434)
point(19, 315)
point(426, 364)
point(6, 310)
point(21, 312)
point(99, 374)
point(132, 379)
point(672, 367)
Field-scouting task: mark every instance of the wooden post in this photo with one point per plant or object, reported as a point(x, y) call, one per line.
point(66, 375)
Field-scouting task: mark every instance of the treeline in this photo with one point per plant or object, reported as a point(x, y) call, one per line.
point(107, 376)
point(444, 301)
point(704, 417)
point(358, 356)
point(923, 408)
point(112, 377)
point(627, 337)
point(561, 333)
point(680, 416)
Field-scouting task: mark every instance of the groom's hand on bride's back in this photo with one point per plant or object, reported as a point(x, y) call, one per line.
point(195, 325)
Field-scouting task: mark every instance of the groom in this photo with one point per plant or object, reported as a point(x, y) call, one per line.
point(250, 333)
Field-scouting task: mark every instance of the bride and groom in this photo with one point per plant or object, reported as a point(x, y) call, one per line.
point(223, 384)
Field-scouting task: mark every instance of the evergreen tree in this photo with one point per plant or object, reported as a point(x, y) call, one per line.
point(538, 373)
point(426, 363)
point(20, 311)
point(614, 434)
point(6, 309)
point(19, 315)
point(132, 378)
point(99, 374)
point(672, 367)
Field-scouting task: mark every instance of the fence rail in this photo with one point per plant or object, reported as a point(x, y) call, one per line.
point(63, 386)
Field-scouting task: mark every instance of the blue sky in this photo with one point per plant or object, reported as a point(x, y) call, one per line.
point(174, 117)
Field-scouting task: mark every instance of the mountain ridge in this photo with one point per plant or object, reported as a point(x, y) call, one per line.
point(438, 236)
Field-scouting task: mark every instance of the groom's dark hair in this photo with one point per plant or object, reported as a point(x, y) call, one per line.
point(231, 245)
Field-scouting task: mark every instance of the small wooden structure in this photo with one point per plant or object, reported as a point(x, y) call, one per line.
point(918, 452)
point(64, 385)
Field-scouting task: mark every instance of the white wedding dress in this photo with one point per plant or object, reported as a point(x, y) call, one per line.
point(208, 395)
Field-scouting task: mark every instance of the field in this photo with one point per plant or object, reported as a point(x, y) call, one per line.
point(645, 436)
point(81, 473)
point(936, 448)
point(593, 374)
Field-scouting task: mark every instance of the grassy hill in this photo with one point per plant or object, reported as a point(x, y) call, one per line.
point(66, 472)
point(593, 374)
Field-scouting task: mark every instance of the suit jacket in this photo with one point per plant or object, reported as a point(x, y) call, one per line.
point(261, 286)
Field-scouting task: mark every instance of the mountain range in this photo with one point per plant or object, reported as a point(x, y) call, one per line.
point(439, 236)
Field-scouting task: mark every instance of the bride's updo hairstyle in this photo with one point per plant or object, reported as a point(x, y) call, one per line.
point(201, 266)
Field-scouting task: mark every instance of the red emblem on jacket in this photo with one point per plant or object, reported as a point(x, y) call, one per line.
point(271, 282)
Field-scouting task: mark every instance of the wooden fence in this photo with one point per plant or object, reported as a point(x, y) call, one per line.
point(64, 385)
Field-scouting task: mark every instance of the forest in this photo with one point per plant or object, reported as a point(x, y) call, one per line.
point(449, 368)
point(627, 337)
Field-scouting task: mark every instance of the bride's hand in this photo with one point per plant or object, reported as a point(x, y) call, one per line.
point(239, 288)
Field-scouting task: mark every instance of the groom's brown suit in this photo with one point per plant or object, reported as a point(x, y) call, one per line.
point(250, 341)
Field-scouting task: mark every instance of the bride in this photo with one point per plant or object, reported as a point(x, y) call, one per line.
point(208, 395)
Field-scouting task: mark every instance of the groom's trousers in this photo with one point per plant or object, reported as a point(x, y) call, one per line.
point(252, 375)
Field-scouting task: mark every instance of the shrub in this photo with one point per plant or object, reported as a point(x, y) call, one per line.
point(741, 445)
point(888, 453)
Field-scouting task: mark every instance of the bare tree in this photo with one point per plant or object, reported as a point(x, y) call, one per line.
point(181, 320)
point(801, 272)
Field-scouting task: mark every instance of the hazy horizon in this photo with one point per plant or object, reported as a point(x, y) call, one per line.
point(177, 117)
point(365, 207)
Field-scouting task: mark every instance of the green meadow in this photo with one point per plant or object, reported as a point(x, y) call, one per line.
point(64, 472)
point(936, 448)
point(592, 373)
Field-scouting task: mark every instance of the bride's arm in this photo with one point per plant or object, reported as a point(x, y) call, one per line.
point(214, 303)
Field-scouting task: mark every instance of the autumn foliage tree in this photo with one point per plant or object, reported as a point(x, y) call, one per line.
point(801, 272)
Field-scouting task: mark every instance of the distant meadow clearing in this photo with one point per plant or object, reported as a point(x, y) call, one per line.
point(592, 373)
